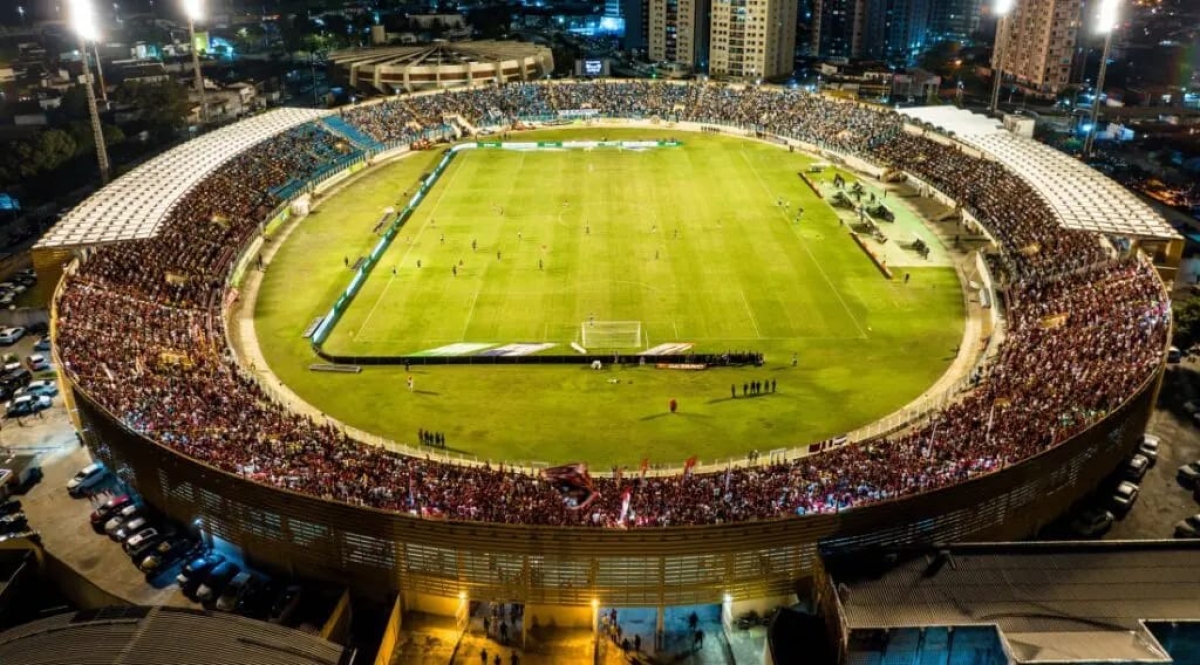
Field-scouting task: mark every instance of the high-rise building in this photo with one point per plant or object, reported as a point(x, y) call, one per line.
point(637, 24)
point(837, 27)
point(677, 31)
point(1037, 43)
point(753, 39)
point(955, 20)
point(896, 31)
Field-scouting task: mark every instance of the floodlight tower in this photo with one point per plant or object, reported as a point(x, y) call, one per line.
point(83, 22)
point(195, 12)
point(1107, 22)
point(1001, 8)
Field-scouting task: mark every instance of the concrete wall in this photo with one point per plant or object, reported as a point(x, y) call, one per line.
point(557, 616)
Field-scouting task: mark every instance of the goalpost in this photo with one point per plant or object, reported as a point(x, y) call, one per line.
point(611, 334)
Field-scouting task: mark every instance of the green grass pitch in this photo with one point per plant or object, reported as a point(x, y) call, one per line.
point(689, 241)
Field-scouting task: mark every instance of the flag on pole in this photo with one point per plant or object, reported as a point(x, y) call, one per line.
point(688, 466)
point(645, 466)
point(728, 474)
point(626, 496)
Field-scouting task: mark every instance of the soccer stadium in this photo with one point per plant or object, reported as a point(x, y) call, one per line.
point(619, 344)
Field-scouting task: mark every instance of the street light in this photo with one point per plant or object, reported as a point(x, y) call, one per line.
point(1106, 23)
point(21, 11)
point(195, 11)
point(83, 22)
point(1001, 8)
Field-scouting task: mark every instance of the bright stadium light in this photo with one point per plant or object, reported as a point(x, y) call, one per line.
point(1107, 17)
point(1003, 7)
point(193, 9)
point(83, 20)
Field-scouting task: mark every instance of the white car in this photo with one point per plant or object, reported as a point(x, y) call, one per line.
point(1125, 496)
point(46, 387)
point(1092, 522)
point(1149, 448)
point(124, 531)
point(1189, 474)
point(121, 517)
point(1188, 528)
point(38, 362)
point(88, 477)
point(10, 336)
point(1136, 467)
point(140, 537)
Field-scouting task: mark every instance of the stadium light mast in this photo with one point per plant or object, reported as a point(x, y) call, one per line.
point(1106, 25)
point(1001, 8)
point(195, 12)
point(83, 22)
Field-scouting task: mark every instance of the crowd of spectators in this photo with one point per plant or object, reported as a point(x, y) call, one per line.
point(139, 326)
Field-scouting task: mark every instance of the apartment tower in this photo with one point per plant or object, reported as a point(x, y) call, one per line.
point(1037, 43)
point(753, 39)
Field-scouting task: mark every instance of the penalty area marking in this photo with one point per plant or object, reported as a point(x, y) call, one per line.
point(748, 311)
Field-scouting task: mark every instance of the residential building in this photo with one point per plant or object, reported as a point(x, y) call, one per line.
point(1037, 43)
point(753, 39)
point(637, 25)
point(677, 31)
point(955, 20)
point(837, 27)
point(896, 31)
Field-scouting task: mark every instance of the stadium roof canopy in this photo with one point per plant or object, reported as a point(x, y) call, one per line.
point(1050, 602)
point(1081, 197)
point(134, 206)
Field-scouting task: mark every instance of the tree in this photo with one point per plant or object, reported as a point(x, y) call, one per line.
point(29, 158)
point(164, 105)
point(85, 141)
point(1187, 322)
point(74, 104)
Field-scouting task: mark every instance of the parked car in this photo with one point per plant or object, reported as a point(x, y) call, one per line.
point(140, 538)
point(128, 528)
point(27, 405)
point(45, 387)
point(1189, 474)
point(126, 514)
point(139, 548)
point(1135, 469)
point(285, 605)
point(17, 378)
point(216, 581)
point(1174, 355)
point(11, 506)
point(43, 344)
point(234, 590)
point(1188, 527)
point(257, 601)
point(14, 522)
point(38, 362)
point(10, 336)
point(1093, 522)
point(107, 510)
point(1148, 448)
point(194, 572)
point(33, 535)
point(1125, 496)
point(87, 478)
point(166, 553)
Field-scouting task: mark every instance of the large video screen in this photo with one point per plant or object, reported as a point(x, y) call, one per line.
point(593, 67)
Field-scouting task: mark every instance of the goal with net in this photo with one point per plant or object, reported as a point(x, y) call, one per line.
point(611, 334)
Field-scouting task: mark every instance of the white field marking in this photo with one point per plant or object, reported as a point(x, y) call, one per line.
point(645, 333)
point(862, 333)
point(404, 258)
point(676, 330)
point(470, 314)
point(378, 300)
point(751, 313)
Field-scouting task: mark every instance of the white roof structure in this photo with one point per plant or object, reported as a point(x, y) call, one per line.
point(134, 206)
point(1081, 197)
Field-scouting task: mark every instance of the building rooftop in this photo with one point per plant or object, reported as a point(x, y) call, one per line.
point(133, 206)
point(1050, 602)
point(128, 635)
point(1081, 197)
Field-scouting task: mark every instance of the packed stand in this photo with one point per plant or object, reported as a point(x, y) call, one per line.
point(139, 333)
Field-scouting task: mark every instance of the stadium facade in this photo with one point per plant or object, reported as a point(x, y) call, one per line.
point(382, 551)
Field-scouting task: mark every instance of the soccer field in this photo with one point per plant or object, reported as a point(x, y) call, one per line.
point(525, 247)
